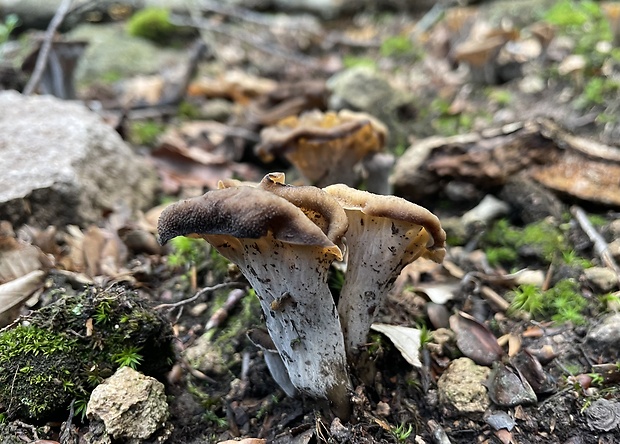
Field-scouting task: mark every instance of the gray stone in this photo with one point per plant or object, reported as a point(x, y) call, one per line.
point(614, 249)
point(607, 333)
point(461, 387)
point(62, 165)
point(362, 89)
point(604, 279)
point(113, 54)
point(130, 405)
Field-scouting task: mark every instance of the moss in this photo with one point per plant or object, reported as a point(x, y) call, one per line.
point(542, 239)
point(398, 45)
point(152, 24)
point(145, 133)
point(65, 349)
point(352, 61)
point(562, 303)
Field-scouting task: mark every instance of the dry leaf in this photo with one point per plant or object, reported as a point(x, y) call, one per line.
point(18, 258)
point(439, 293)
point(405, 339)
point(475, 340)
point(15, 293)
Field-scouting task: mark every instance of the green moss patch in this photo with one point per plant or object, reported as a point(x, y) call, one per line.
point(64, 350)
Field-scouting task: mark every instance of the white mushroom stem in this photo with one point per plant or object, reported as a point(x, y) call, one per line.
point(301, 317)
point(378, 248)
point(385, 233)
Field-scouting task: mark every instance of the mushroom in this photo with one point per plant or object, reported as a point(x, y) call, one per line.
point(324, 148)
point(261, 339)
point(285, 257)
point(385, 233)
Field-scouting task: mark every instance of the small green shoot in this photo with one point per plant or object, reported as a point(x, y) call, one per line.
point(426, 335)
point(402, 432)
point(529, 298)
point(562, 303)
point(11, 21)
point(80, 407)
point(571, 257)
point(211, 417)
point(128, 357)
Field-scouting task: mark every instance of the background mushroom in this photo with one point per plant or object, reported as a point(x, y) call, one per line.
point(385, 233)
point(324, 148)
point(285, 257)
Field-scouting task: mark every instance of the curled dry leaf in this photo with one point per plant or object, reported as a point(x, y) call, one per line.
point(475, 340)
point(533, 372)
point(18, 258)
point(15, 293)
point(405, 339)
point(235, 85)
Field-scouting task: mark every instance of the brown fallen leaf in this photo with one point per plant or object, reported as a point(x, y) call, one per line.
point(18, 258)
point(15, 293)
point(475, 340)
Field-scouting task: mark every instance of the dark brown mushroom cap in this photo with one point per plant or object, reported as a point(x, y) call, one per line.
point(321, 208)
point(242, 212)
point(395, 208)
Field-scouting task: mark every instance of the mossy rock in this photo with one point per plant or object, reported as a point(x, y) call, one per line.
point(64, 350)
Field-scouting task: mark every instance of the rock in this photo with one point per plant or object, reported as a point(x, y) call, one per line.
point(461, 387)
point(362, 89)
point(603, 415)
point(113, 54)
point(130, 405)
point(607, 333)
point(62, 165)
point(489, 209)
point(614, 249)
point(604, 279)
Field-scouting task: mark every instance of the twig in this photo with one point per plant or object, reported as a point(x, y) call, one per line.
point(247, 15)
point(489, 294)
point(198, 294)
point(44, 53)
point(600, 246)
point(221, 313)
point(250, 39)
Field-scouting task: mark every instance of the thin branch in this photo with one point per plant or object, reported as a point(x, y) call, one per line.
point(245, 37)
point(600, 246)
point(44, 52)
point(198, 294)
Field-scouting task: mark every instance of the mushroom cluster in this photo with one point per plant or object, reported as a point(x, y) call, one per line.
point(284, 238)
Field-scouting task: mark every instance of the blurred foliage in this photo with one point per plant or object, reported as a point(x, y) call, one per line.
point(398, 45)
point(152, 24)
point(145, 132)
point(11, 21)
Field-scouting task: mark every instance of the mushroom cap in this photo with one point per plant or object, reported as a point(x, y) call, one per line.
point(478, 52)
point(307, 141)
point(242, 212)
point(395, 208)
point(318, 206)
